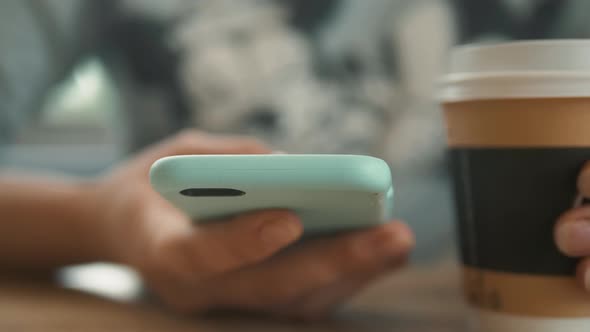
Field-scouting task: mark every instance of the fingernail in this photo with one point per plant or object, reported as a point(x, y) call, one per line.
point(280, 232)
point(574, 238)
point(388, 243)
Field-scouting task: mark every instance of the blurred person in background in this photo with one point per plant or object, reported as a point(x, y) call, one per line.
point(334, 76)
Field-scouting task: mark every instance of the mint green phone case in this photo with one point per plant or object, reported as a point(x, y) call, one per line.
point(329, 192)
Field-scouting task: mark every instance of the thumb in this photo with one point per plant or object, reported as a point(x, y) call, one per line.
point(205, 250)
point(244, 240)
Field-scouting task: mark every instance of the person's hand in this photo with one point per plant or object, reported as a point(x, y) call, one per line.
point(240, 263)
point(572, 232)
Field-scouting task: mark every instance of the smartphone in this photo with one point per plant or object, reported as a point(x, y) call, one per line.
point(329, 193)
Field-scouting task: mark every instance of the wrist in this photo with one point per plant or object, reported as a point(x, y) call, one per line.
point(96, 224)
point(116, 208)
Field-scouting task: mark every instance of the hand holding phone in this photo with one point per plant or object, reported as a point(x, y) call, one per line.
point(329, 193)
point(239, 263)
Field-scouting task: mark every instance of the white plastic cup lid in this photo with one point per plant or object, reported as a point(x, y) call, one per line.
point(522, 69)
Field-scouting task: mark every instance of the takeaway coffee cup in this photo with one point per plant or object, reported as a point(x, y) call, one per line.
point(518, 124)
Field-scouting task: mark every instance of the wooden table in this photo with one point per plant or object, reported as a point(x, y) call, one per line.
point(419, 299)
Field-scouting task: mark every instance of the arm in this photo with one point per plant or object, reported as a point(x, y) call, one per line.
point(48, 223)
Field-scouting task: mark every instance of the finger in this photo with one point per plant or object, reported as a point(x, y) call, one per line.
point(195, 142)
point(190, 142)
point(572, 232)
point(321, 304)
point(232, 244)
point(583, 274)
point(318, 304)
point(315, 265)
point(584, 180)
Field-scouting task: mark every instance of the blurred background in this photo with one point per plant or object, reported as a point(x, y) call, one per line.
point(83, 84)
